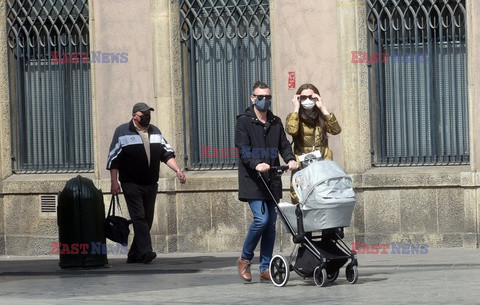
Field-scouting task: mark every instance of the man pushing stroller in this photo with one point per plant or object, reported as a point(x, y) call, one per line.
point(260, 138)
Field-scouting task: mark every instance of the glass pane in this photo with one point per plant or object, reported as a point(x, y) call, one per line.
point(225, 48)
point(419, 93)
point(50, 86)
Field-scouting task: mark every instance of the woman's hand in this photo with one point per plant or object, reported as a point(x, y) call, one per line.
point(296, 103)
point(292, 165)
point(319, 104)
point(318, 100)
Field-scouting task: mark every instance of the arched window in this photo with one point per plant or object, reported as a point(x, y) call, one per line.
point(50, 88)
point(225, 48)
point(418, 87)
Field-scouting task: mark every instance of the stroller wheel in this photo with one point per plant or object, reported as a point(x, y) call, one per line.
point(279, 270)
point(351, 272)
point(331, 277)
point(320, 277)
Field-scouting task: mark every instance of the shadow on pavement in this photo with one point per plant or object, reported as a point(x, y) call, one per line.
point(117, 265)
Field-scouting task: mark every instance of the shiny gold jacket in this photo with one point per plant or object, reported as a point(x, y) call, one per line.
point(306, 131)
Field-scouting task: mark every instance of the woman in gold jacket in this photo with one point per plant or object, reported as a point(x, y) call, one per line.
point(309, 124)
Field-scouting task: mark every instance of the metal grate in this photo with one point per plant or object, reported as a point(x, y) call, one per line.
point(418, 87)
point(225, 47)
point(50, 90)
point(48, 203)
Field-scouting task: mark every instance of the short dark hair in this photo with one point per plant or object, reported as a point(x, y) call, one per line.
point(259, 84)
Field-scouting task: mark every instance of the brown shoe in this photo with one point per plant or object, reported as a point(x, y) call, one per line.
point(265, 276)
point(244, 269)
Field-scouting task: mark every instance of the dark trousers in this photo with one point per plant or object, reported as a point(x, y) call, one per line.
point(141, 207)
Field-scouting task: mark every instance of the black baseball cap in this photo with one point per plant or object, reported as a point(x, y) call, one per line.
point(141, 107)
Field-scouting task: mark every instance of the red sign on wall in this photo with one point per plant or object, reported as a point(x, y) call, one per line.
point(291, 80)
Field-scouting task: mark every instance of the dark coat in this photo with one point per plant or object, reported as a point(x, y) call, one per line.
point(257, 143)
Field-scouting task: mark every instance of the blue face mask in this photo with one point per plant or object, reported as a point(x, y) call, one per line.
point(262, 105)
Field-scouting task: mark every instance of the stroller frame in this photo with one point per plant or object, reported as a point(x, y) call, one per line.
point(325, 253)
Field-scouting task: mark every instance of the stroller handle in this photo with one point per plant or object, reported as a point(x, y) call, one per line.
point(279, 169)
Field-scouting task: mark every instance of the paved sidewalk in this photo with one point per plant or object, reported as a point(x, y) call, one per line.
point(225, 261)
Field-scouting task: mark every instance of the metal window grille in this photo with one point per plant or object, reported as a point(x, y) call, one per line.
point(50, 88)
point(418, 88)
point(225, 47)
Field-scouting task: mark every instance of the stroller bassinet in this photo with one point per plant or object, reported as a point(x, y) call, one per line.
point(326, 197)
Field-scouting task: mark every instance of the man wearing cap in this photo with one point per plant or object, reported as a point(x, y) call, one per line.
point(134, 158)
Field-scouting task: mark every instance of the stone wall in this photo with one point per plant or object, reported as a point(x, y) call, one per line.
point(197, 219)
point(439, 208)
point(4, 117)
point(390, 208)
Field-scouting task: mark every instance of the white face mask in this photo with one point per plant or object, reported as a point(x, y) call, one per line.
point(308, 104)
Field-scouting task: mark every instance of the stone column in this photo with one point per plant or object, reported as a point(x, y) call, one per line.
point(119, 27)
point(167, 71)
point(473, 45)
point(167, 88)
point(5, 143)
point(353, 85)
point(5, 165)
point(305, 41)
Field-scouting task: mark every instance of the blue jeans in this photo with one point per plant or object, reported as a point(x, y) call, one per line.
point(263, 226)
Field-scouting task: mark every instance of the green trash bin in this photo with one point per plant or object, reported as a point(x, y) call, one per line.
point(80, 217)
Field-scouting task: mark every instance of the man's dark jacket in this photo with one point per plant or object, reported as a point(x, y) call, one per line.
point(127, 154)
point(257, 143)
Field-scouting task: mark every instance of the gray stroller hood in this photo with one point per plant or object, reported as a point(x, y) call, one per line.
point(326, 195)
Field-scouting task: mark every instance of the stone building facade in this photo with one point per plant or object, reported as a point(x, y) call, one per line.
point(437, 204)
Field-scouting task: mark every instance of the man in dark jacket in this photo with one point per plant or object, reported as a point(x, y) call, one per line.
point(260, 138)
point(134, 159)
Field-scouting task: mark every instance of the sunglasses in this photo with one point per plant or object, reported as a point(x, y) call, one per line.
point(261, 97)
point(304, 97)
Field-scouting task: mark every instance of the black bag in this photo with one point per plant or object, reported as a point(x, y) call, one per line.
point(116, 227)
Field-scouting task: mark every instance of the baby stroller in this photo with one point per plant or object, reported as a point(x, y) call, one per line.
point(326, 201)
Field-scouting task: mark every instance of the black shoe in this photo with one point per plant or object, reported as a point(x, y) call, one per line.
point(148, 257)
point(132, 260)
